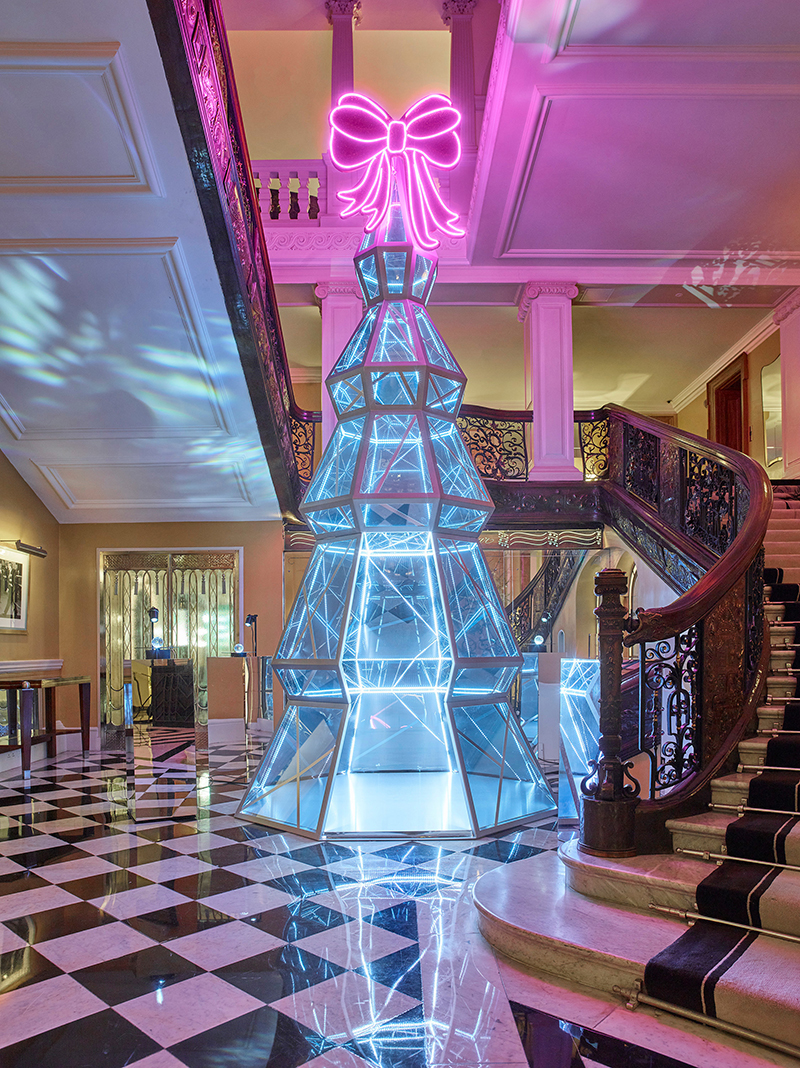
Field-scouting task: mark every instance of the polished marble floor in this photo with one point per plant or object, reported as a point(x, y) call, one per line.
point(141, 924)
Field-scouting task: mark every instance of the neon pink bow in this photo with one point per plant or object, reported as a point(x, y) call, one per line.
point(363, 133)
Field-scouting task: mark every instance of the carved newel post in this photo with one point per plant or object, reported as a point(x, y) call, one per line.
point(609, 803)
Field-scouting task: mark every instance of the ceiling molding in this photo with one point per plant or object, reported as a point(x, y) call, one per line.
point(54, 472)
point(754, 336)
point(102, 61)
point(531, 141)
point(74, 246)
point(179, 278)
point(770, 54)
point(11, 420)
point(787, 307)
point(492, 114)
point(303, 375)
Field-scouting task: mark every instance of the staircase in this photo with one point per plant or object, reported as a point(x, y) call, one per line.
point(738, 963)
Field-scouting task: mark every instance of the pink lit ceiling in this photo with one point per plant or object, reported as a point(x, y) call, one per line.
point(648, 150)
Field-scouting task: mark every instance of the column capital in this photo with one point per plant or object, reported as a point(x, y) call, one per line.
point(533, 290)
point(327, 289)
point(457, 9)
point(343, 9)
point(786, 308)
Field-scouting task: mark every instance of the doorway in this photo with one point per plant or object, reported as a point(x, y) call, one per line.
point(727, 398)
point(162, 615)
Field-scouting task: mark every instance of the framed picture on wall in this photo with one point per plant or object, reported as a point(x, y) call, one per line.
point(14, 583)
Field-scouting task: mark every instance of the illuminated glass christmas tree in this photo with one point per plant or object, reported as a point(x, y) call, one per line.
point(397, 656)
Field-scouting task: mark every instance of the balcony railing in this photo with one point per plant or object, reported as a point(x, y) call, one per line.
point(291, 190)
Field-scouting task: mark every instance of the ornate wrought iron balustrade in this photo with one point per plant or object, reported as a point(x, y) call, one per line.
point(670, 702)
point(533, 612)
point(496, 441)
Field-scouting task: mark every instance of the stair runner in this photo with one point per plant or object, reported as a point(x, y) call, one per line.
point(719, 967)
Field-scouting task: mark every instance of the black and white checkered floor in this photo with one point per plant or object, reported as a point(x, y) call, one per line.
point(141, 924)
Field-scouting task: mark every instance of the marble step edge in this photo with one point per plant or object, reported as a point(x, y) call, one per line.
point(602, 946)
point(704, 832)
point(638, 882)
point(731, 789)
point(541, 923)
point(671, 880)
point(770, 717)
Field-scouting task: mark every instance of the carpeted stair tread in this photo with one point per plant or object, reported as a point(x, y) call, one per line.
point(784, 751)
point(791, 716)
point(776, 789)
point(729, 974)
point(784, 591)
point(752, 894)
point(764, 836)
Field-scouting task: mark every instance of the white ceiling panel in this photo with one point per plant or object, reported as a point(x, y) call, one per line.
point(718, 169)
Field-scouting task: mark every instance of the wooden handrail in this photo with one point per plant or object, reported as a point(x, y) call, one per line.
point(655, 624)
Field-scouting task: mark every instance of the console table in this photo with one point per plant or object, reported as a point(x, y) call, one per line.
point(24, 689)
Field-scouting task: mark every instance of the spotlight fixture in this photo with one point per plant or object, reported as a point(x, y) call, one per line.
point(153, 613)
point(252, 621)
point(31, 550)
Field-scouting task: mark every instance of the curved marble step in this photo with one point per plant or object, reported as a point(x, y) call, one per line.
point(662, 879)
point(528, 913)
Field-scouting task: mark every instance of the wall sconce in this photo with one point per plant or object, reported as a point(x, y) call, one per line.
point(23, 547)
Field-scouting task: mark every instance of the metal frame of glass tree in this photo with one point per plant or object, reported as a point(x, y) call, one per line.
point(396, 658)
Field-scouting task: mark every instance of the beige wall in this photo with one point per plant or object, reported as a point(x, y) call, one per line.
point(694, 417)
point(24, 517)
point(261, 581)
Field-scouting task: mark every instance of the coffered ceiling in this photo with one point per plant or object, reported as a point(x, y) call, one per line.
point(121, 393)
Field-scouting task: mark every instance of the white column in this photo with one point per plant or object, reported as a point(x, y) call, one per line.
point(340, 303)
point(340, 16)
point(546, 312)
point(787, 316)
point(457, 14)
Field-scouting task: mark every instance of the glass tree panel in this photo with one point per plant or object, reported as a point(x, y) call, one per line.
point(422, 270)
point(435, 349)
point(474, 681)
point(397, 756)
point(290, 786)
point(505, 781)
point(331, 520)
point(356, 347)
point(444, 393)
point(347, 395)
point(311, 683)
point(394, 344)
point(395, 461)
point(479, 623)
point(396, 230)
point(395, 266)
point(396, 637)
point(456, 517)
point(397, 515)
point(315, 622)
point(367, 272)
point(334, 476)
point(580, 730)
point(395, 387)
point(456, 471)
